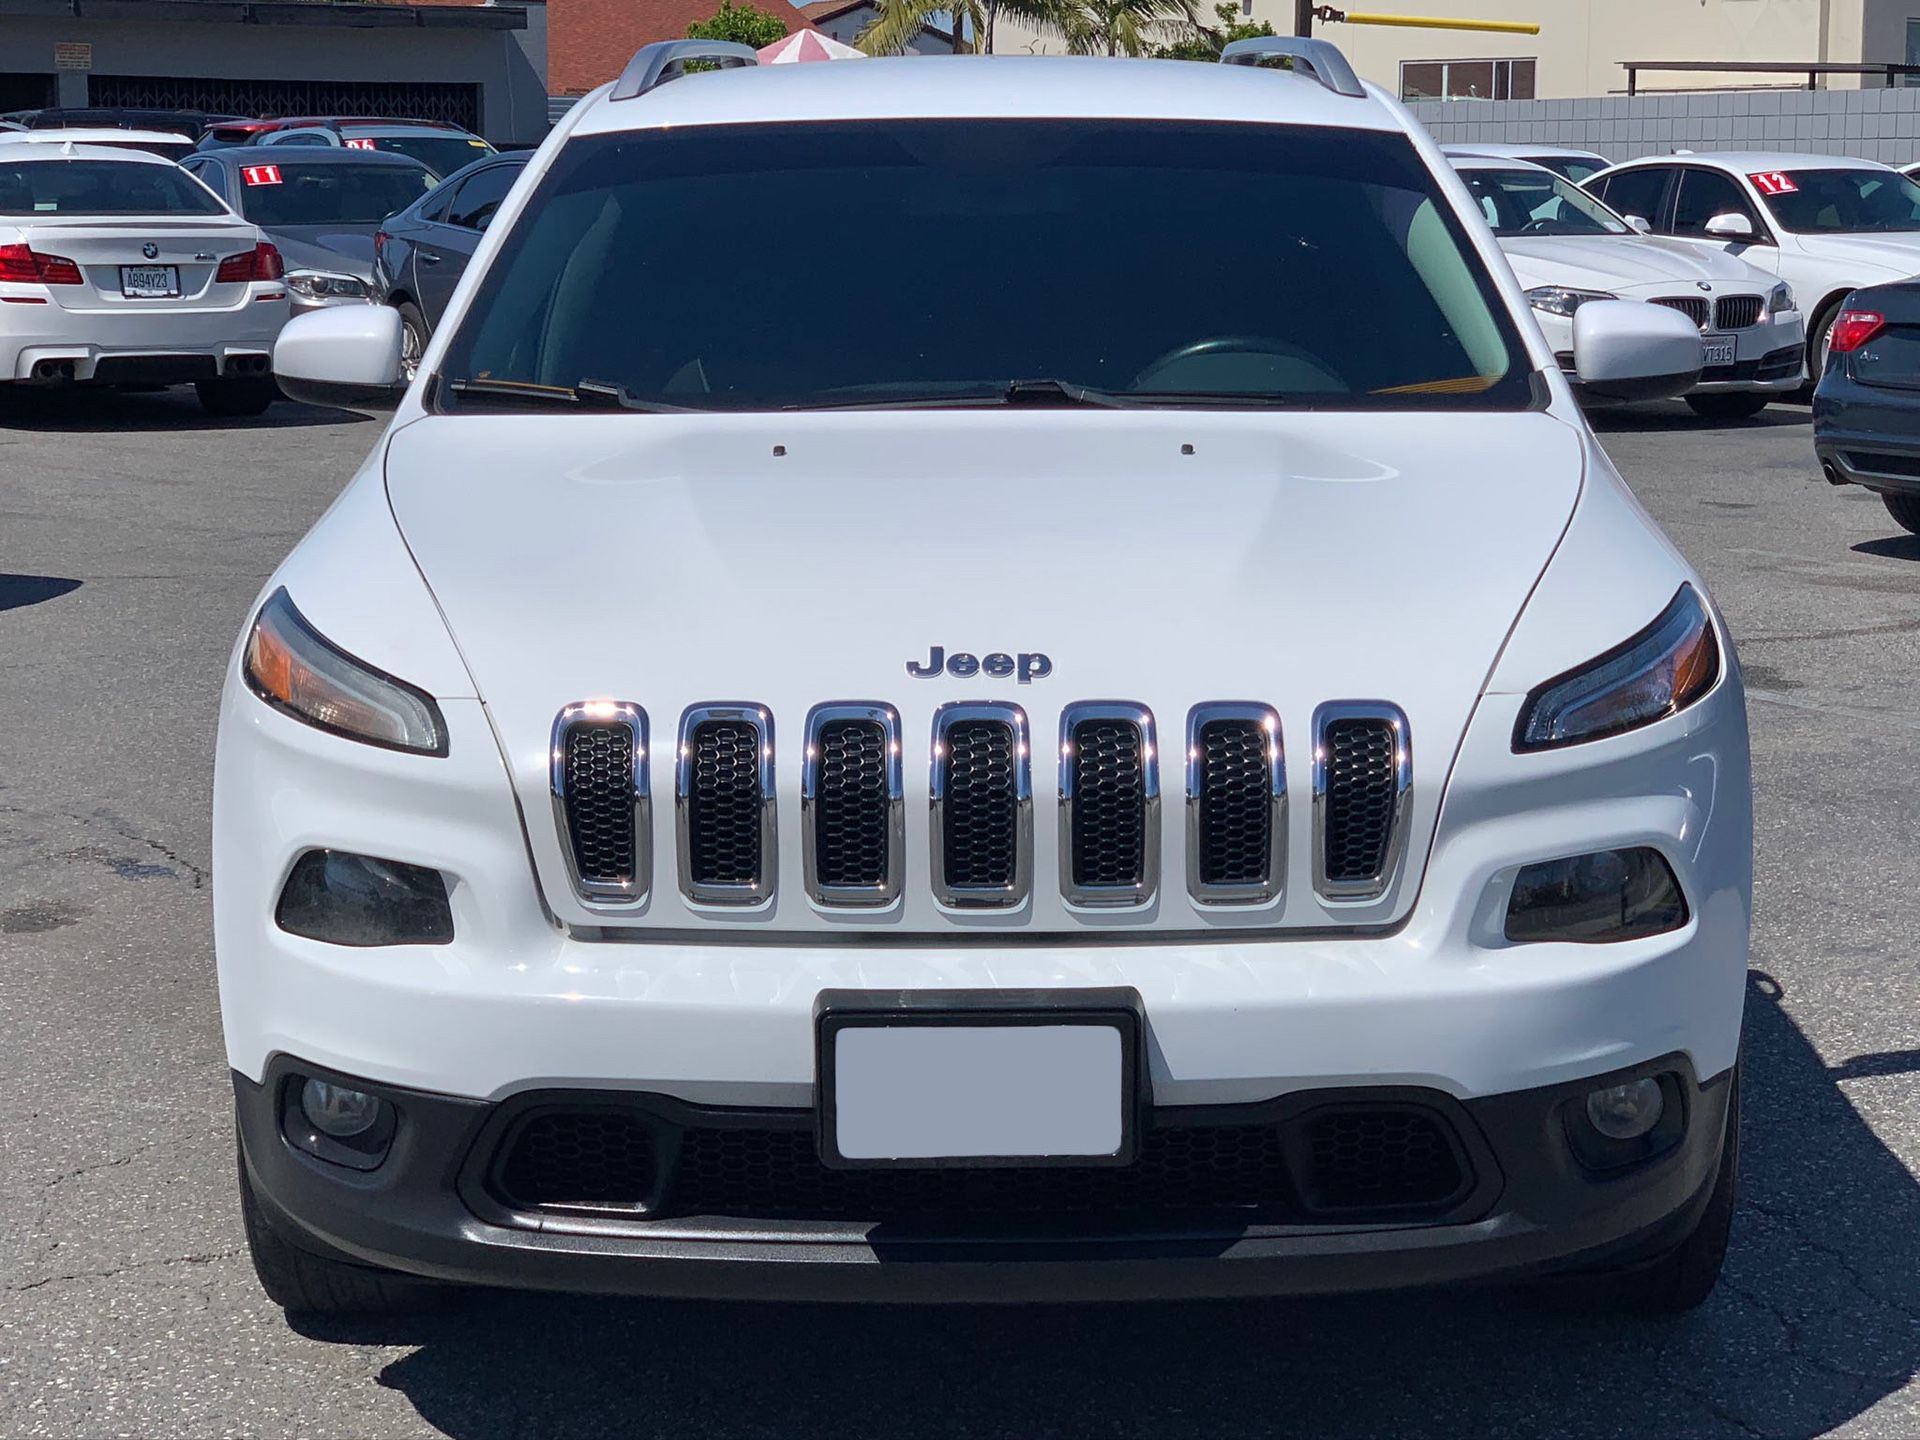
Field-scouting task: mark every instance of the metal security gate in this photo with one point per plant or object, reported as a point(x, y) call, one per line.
point(412, 100)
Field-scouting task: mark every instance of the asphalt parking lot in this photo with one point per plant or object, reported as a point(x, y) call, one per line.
point(133, 535)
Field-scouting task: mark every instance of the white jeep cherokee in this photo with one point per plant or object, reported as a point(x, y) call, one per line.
point(1019, 768)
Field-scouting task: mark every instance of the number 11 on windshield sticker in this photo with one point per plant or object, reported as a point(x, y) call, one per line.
point(1772, 182)
point(260, 174)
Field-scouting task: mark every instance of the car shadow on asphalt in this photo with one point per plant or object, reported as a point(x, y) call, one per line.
point(1673, 415)
point(84, 411)
point(1814, 1321)
point(1890, 547)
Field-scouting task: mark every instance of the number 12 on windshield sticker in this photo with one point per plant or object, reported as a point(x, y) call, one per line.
point(359, 144)
point(260, 174)
point(1772, 182)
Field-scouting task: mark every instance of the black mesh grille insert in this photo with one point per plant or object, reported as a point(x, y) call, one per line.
point(1360, 796)
point(1379, 1159)
point(1737, 312)
point(978, 829)
point(590, 1159)
point(1109, 804)
point(1694, 307)
point(598, 779)
point(851, 804)
point(723, 803)
point(1236, 802)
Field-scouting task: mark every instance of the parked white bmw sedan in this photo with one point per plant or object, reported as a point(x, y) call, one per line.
point(119, 268)
point(1567, 249)
point(1825, 224)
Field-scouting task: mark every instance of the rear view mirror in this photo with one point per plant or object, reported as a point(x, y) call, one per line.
point(1730, 226)
point(1631, 350)
point(347, 356)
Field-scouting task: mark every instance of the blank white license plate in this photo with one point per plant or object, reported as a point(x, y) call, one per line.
point(149, 282)
point(1719, 350)
point(961, 1092)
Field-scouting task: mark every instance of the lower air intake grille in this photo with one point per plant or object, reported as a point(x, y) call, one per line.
point(852, 818)
point(1694, 307)
point(1737, 312)
point(598, 775)
point(587, 1159)
point(1109, 804)
point(1363, 1160)
point(980, 820)
point(1235, 790)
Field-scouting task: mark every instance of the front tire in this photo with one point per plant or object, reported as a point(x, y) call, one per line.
point(1905, 509)
point(243, 396)
point(1682, 1279)
point(1728, 404)
point(302, 1283)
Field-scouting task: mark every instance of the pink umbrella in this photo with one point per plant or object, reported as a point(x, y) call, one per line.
point(807, 45)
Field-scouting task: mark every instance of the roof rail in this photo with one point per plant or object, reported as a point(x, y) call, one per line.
point(1319, 58)
point(653, 65)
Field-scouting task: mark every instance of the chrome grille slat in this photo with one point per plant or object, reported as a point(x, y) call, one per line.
point(1362, 779)
point(980, 819)
point(1109, 804)
point(1737, 312)
point(852, 804)
point(1236, 804)
point(724, 799)
point(601, 801)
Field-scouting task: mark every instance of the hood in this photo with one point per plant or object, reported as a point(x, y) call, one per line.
point(673, 561)
point(1897, 255)
point(326, 247)
point(1623, 263)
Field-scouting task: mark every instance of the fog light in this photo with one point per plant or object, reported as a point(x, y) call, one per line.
point(1623, 1112)
point(1590, 899)
point(348, 899)
point(344, 1113)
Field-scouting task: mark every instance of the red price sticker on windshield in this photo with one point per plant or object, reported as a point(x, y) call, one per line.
point(1772, 182)
point(359, 144)
point(260, 174)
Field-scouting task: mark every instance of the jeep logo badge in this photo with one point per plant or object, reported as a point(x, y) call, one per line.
point(1028, 665)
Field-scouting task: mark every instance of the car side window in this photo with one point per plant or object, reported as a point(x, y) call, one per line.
point(1639, 192)
point(214, 177)
point(296, 137)
point(473, 207)
point(1705, 194)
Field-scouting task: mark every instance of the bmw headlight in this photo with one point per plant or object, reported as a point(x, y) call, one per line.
point(1657, 673)
point(1780, 299)
point(1564, 299)
point(326, 287)
point(301, 673)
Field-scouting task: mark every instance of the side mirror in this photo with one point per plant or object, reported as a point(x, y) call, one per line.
point(1631, 350)
point(346, 356)
point(1730, 226)
point(1639, 223)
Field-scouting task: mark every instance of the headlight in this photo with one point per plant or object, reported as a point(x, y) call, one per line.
point(1780, 299)
point(1563, 299)
point(321, 285)
point(295, 669)
point(1660, 671)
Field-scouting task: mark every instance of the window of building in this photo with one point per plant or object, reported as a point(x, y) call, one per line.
point(1466, 79)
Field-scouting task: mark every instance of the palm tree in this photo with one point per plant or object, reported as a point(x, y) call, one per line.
point(1125, 27)
point(897, 22)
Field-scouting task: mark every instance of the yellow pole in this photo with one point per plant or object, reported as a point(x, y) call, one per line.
point(1435, 22)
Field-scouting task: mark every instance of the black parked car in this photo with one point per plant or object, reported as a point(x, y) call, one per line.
point(1866, 411)
point(320, 206)
point(190, 123)
point(420, 254)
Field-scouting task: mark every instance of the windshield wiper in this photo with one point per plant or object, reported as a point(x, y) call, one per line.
point(587, 395)
point(1047, 392)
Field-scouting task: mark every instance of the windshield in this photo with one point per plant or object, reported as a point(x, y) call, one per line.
point(287, 192)
point(1576, 168)
point(101, 187)
point(1535, 202)
point(1838, 202)
point(442, 154)
point(951, 258)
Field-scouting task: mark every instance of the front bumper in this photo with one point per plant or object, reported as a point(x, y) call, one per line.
point(1530, 1208)
point(1768, 356)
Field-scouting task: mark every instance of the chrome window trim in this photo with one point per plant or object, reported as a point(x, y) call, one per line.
point(761, 888)
point(888, 890)
point(1374, 886)
point(601, 894)
point(981, 897)
point(1108, 896)
point(1274, 882)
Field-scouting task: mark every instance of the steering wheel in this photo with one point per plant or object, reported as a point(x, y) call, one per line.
point(1229, 345)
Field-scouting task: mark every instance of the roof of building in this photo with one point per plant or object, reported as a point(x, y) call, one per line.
point(987, 87)
point(820, 10)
